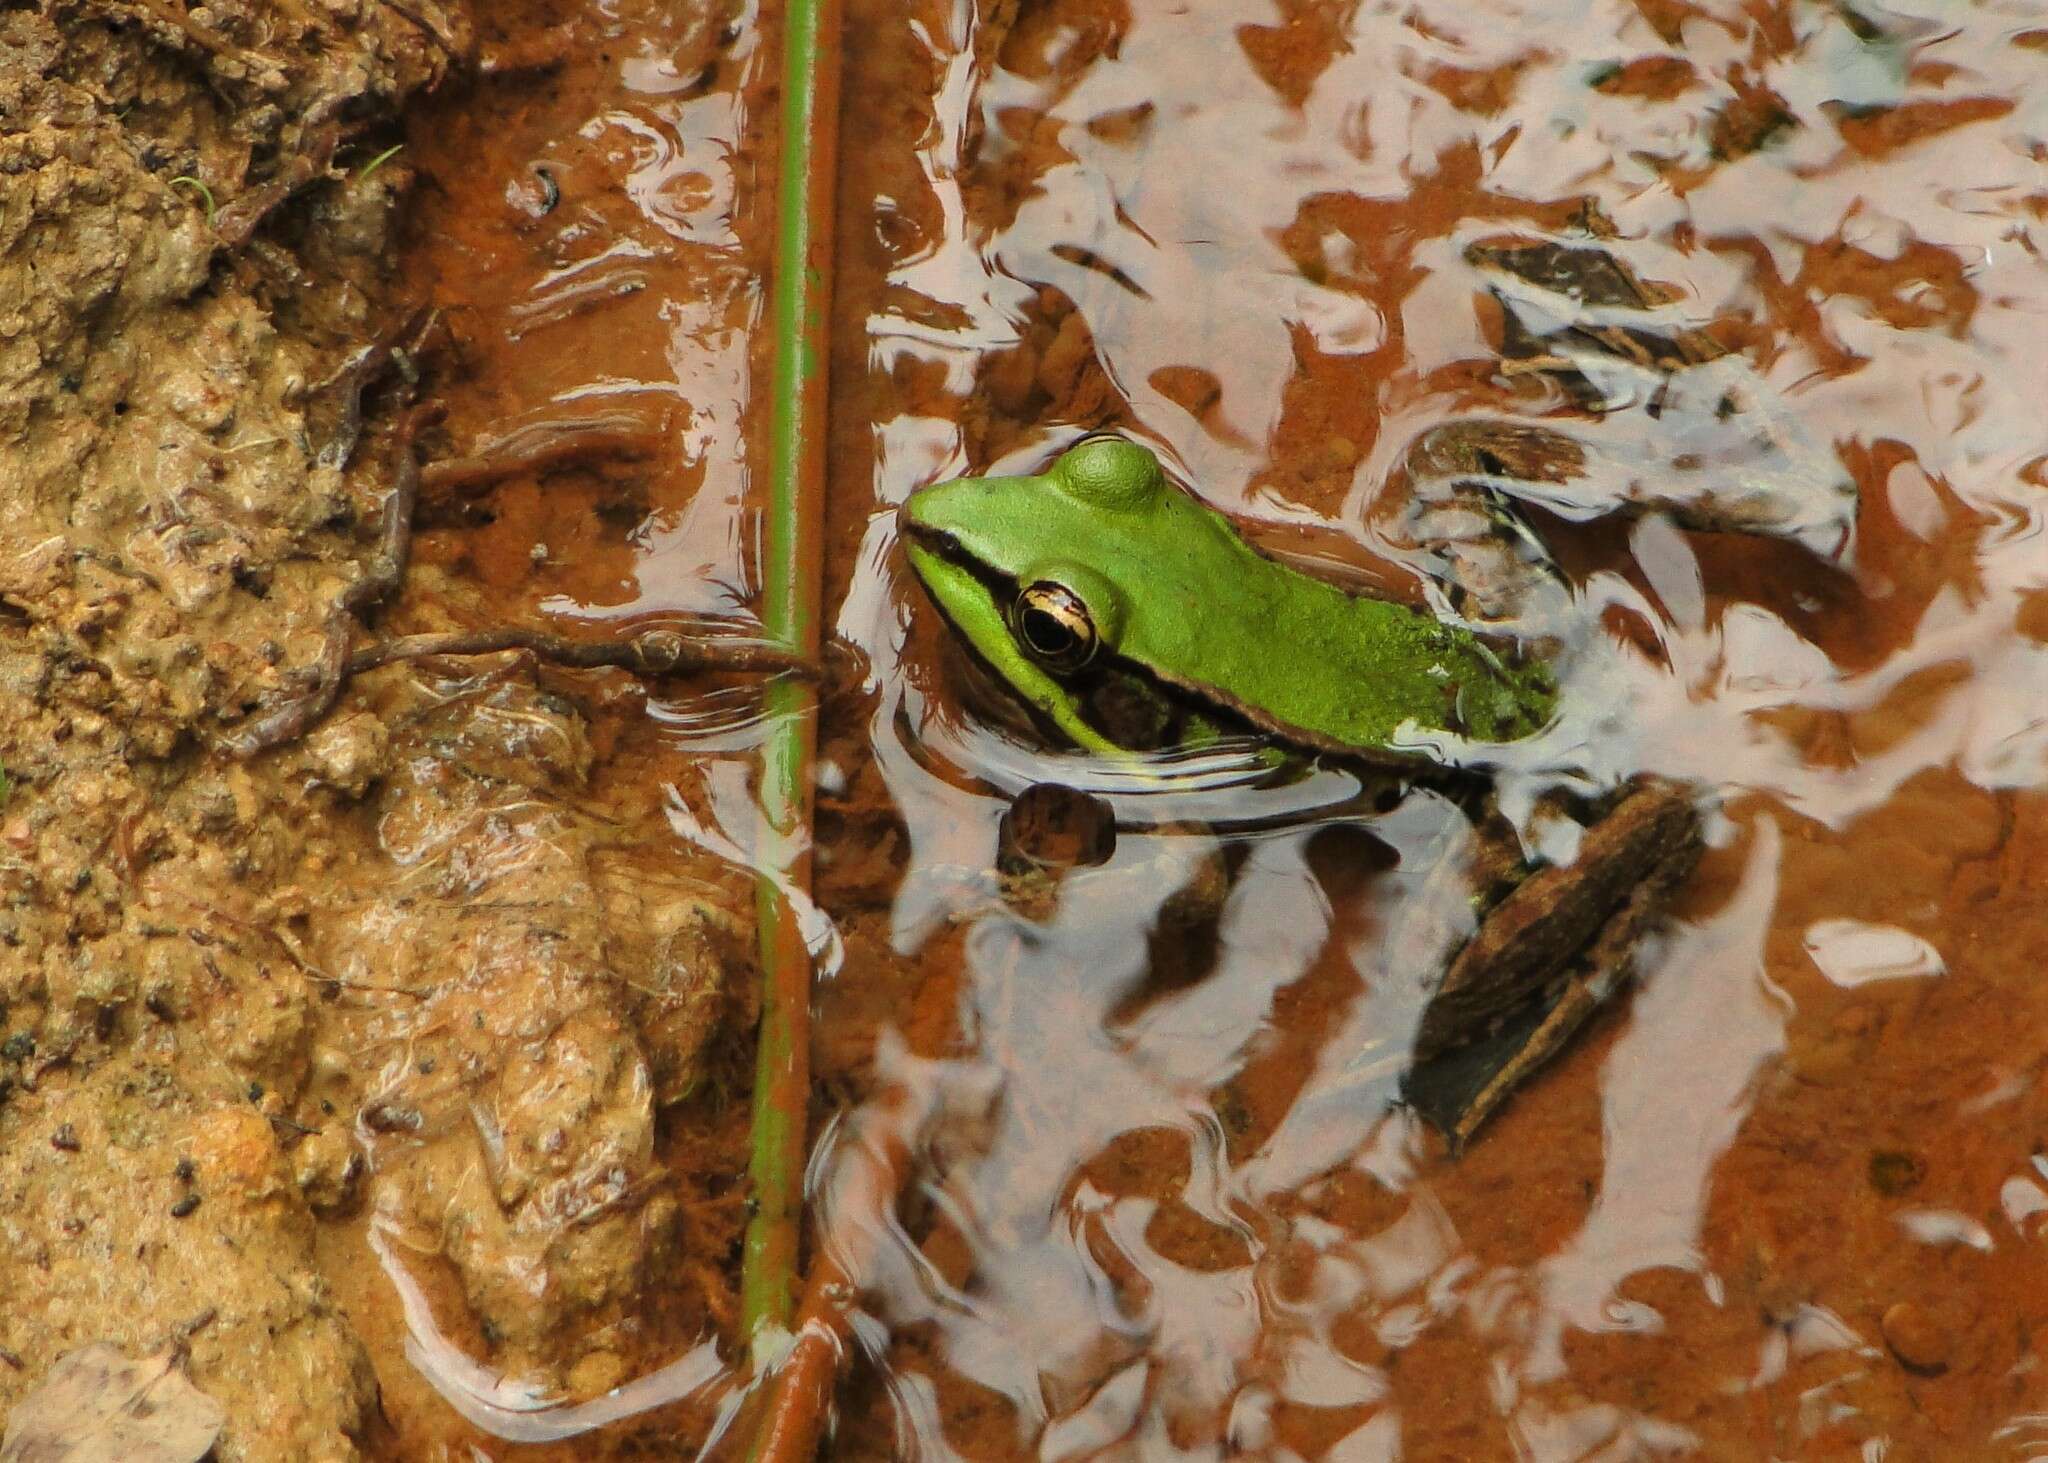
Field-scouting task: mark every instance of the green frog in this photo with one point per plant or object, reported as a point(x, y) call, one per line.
point(1127, 615)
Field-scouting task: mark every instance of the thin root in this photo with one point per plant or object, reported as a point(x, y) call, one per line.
point(386, 568)
point(355, 375)
point(593, 444)
point(651, 653)
point(441, 39)
point(238, 222)
point(171, 18)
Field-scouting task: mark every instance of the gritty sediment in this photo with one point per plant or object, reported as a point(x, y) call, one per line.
point(396, 970)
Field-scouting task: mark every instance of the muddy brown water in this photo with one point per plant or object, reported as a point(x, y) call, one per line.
point(1787, 1199)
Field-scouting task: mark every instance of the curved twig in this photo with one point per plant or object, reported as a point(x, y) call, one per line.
point(238, 221)
point(381, 576)
point(591, 444)
point(354, 376)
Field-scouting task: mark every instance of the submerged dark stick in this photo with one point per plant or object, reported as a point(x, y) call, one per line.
point(650, 653)
point(570, 449)
point(799, 1397)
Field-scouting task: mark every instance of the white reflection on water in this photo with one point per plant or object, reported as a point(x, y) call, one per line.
point(1170, 246)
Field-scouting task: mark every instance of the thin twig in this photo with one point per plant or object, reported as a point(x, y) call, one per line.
point(800, 1393)
point(467, 474)
point(355, 375)
point(433, 32)
point(803, 1393)
point(238, 221)
point(172, 18)
point(651, 653)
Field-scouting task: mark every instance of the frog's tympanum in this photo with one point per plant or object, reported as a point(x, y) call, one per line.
point(1127, 615)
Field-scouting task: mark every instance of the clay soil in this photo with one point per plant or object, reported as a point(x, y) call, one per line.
point(421, 977)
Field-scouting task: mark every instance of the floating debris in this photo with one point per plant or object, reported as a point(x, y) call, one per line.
point(96, 1406)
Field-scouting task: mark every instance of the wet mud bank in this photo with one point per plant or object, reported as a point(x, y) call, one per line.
point(326, 1030)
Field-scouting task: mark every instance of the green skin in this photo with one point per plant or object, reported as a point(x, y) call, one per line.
point(1174, 593)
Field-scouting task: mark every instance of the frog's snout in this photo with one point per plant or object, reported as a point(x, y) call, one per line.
point(937, 514)
point(914, 527)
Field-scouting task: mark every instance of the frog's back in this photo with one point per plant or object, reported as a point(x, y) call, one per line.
point(1305, 660)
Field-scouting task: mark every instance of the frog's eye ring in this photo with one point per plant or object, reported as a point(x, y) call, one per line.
point(1054, 627)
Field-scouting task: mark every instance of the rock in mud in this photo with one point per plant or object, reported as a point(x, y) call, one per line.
point(95, 1235)
point(1916, 1339)
point(561, 998)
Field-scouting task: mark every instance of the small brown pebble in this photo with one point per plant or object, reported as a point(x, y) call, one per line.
point(65, 1138)
point(184, 1206)
point(1051, 826)
point(1920, 1345)
point(1893, 1172)
point(596, 1374)
point(392, 1117)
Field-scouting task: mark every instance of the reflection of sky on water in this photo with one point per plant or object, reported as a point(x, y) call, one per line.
point(1169, 245)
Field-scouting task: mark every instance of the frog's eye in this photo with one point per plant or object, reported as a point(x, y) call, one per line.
point(1054, 626)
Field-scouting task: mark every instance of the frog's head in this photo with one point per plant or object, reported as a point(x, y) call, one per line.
point(1127, 613)
point(1033, 571)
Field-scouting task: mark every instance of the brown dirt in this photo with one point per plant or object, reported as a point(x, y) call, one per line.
point(435, 971)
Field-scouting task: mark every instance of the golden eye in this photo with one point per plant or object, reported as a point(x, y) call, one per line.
point(1054, 626)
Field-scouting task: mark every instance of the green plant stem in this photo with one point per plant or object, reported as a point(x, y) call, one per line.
point(197, 185)
point(793, 560)
point(380, 159)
